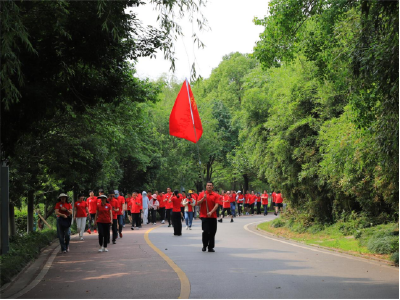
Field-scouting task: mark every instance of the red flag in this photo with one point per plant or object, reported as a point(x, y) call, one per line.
point(184, 121)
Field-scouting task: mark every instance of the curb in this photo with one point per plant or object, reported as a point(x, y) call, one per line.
point(36, 276)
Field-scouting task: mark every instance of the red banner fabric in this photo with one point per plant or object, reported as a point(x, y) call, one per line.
point(180, 120)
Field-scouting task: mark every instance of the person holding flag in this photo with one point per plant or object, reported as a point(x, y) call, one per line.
point(208, 205)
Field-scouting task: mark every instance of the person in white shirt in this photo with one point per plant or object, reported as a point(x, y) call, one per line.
point(145, 206)
point(189, 204)
point(153, 207)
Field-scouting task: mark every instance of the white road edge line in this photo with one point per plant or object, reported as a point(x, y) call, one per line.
point(246, 227)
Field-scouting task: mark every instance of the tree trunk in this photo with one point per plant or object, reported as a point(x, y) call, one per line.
point(246, 183)
point(11, 220)
point(30, 211)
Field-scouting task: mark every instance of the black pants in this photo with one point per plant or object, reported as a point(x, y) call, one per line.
point(209, 226)
point(104, 233)
point(169, 212)
point(182, 213)
point(114, 230)
point(219, 210)
point(240, 209)
point(152, 214)
point(228, 210)
point(92, 225)
point(258, 208)
point(252, 208)
point(177, 222)
point(136, 220)
point(161, 212)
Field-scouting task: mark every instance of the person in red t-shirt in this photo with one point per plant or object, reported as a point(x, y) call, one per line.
point(258, 203)
point(115, 204)
point(80, 213)
point(103, 220)
point(252, 200)
point(208, 205)
point(63, 209)
point(161, 207)
point(264, 201)
point(278, 203)
point(135, 206)
point(127, 200)
point(168, 205)
point(189, 204)
point(121, 212)
point(176, 201)
point(273, 198)
point(92, 205)
point(239, 200)
point(226, 207)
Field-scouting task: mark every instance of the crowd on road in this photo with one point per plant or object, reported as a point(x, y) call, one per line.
point(109, 212)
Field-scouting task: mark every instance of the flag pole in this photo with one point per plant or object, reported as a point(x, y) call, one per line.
point(194, 129)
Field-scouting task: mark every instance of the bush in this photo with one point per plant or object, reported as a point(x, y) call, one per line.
point(22, 250)
point(21, 221)
point(278, 223)
point(395, 258)
point(383, 245)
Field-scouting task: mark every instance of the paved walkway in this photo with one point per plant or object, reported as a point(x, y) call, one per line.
point(246, 264)
point(131, 269)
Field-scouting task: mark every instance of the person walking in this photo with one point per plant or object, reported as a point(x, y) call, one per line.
point(232, 205)
point(161, 207)
point(92, 205)
point(135, 207)
point(115, 207)
point(145, 207)
point(103, 220)
point(176, 201)
point(240, 199)
point(278, 203)
point(63, 211)
point(80, 214)
point(208, 205)
point(273, 199)
point(182, 196)
point(264, 200)
point(153, 207)
point(258, 201)
point(121, 212)
point(252, 200)
point(127, 200)
point(168, 205)
point(189, 204)
point(226, 207)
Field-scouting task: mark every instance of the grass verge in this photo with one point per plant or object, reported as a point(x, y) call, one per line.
point(23, 249)
point(381, 241)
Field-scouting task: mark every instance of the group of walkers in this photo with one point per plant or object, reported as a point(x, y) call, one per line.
point(110, 211)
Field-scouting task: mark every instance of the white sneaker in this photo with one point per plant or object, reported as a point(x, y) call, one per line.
point(81, 238)
point(162, 222)
point(154, 223)
point(123, 226)
point(105, 250)
point(190, 228)
point(101, 249)
point(187, 227)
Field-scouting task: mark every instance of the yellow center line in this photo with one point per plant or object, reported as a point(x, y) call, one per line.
point(185, 284)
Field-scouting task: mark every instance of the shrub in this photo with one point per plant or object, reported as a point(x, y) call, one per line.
point(383, 245)
point(22, 250)
point(395, 258)
point(278, 223)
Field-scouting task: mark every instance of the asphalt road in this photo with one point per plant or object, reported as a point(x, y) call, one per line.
point(246, 264)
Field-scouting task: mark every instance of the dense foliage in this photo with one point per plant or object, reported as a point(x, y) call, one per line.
point(313, 112)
